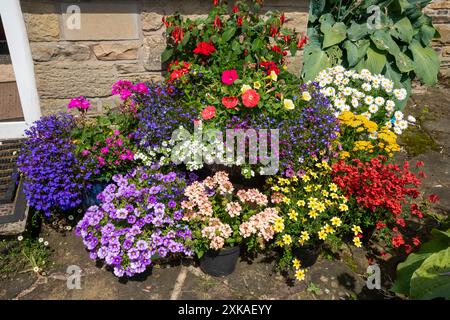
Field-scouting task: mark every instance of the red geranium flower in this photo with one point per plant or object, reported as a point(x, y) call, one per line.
point(239, 21)
point(177, 34)
point(235, 9)
point(397, 240)
point(229, 77)
point(217, 23)
point(302, 41)
point(380, 225)
point(208, 113)
point(204, 48)
point(230, 102)
point(416, 241)
point(433, 198)
point(250, 98)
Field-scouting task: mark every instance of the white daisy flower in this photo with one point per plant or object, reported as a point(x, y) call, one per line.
point(398, 115)
point(397, 130)
point(366, 114)
point(366, 87)
point(347, 91)
point(46, 243)
point(20, 238)
point(379, 101)
point(346, 107)
point(355, 102)
point(411, 119)
point(403, 124)
point(373, 135)
point(36, 269)
point(368, 100)
point(339, 103)
point(388, 125)
point(41, 240)
point(373, 108)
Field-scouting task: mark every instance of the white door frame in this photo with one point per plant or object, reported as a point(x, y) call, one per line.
point(19, 49)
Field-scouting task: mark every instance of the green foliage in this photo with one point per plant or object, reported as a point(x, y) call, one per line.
point(426, 273)
point(388, 37)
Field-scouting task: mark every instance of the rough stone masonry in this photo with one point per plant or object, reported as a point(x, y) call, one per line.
point(129, 42)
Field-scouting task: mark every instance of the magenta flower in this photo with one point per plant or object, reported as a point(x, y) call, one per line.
point(141, 88)
point(229, 77)
point(79, 103)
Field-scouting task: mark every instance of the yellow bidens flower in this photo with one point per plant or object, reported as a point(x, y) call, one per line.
point(293, 215)
point(328, 229)
point(296, 263)
point(278, 225)
point(322, 234)
point(301, 203)
point(335, 221)
point(357, 242)
point(288, 104)
point(306, 96)
point(304, 235)
point(287, 239)
point(343, 207)
point(300, 274)
point(356, 230)
point(256, 85)
point(245, 87)
point(333, 187)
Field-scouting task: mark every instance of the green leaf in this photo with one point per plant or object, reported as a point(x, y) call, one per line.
point(356, 51)
point(236, 47)
point(257, 44)
point(403, 30)
point(383, 41)
point(314, 61)
point(426, 62)
point(186, 38)
point(334, 35)
point(405, 270)
point(357, 31)
point(315, 9)
point(432, 278)
point(167, 53)
point(404, 63)
point(427, 33)
point(228, 34)
point(375, 60)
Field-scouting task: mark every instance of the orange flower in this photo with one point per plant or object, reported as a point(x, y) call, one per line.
point(250, 98)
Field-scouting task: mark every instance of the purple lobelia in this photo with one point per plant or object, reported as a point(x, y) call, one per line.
point(139, 217)
point(54, 178)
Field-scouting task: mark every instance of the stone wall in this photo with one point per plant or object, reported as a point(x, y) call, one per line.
point(123, 39)
point(439, 10)
point(117, 40)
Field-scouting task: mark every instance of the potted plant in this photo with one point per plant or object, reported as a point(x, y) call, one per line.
point(224, 221)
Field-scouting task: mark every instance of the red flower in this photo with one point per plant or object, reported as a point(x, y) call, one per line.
point(204, 48)
point(235, 9)
point(408, 248)
point(177, 34)
point(398, 240)
point(250, 98)
point(401, 222)
point(419, 164)
point(302, 41)
point(416, 241)
point(216, 2)
point(165, 21)
point(239, 20)
point(433, 198)
point(229, 102)
point(273, 30)
point(229, 77)
point(217, 23)
point(208, 113)
point(380, 225)
point(282, 19)
point(270, 66)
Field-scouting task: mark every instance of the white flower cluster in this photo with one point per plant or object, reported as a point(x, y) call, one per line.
point(363, 93)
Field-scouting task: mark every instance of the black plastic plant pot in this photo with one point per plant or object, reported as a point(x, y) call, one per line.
point(90, 196)
point(307, 254)
point(220, 263)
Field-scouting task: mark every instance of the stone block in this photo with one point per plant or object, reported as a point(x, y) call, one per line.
point(154, 45)
point(41, 20)
point(116, 51)
point(57, 51)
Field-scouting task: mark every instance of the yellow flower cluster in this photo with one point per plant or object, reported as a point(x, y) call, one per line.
point(383, 138)
point(299, 273)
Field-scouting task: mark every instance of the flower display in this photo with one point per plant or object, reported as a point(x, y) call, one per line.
point(219, 216)
point(54, 177)
point(138, 220)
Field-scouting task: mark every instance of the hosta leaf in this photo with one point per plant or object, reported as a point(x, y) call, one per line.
point(432, 278)
point(356, 51)
point(426, 62)
point(404, 63)
point(315, 9)
point(427, 33)
point(334, 35)
point(375, 61)
point(403, 30)
point(314, 61)
point(383, 41)
point(357, 31)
